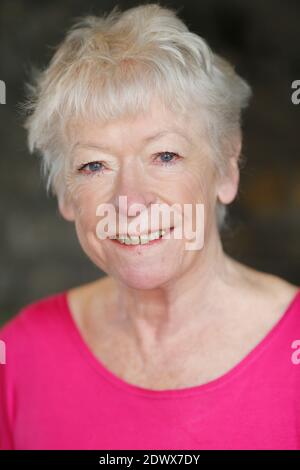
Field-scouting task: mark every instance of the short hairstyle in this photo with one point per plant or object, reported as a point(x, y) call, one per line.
point(112, 65)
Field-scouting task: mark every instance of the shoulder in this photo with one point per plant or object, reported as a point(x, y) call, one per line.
point(31, 318)
point(273, 289)
point(35, 340)
point(281, 293)
point(265, 297)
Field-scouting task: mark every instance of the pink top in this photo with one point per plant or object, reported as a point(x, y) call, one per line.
point(55, 394)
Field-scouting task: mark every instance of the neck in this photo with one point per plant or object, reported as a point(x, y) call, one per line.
point(157, 316)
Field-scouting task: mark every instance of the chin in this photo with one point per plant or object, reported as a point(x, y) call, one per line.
point(144, 278)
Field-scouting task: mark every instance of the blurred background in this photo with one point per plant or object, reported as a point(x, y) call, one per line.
point(39, 252)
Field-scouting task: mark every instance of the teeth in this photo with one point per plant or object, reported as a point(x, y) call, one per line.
point(132, 241)
point(151, 236)
point(142, 240)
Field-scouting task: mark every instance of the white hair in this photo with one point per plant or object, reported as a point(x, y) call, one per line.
point(112, 65)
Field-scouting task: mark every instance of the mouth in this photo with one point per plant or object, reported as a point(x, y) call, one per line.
point(144, 240)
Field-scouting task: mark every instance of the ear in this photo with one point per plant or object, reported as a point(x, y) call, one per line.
point(228, 183)
point(66, 208)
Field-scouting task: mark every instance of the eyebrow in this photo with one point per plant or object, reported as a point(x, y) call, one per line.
point(148, 139)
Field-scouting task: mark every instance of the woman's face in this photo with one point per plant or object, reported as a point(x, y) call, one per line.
point(119, 158)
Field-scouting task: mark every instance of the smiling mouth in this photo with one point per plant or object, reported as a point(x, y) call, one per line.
point(144, 239)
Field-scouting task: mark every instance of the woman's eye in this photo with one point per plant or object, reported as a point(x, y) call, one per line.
point(91, 167)
point(167, 158)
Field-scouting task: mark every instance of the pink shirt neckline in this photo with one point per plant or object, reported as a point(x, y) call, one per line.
point(211, 385)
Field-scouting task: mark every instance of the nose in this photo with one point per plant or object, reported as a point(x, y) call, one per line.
point(132, 194)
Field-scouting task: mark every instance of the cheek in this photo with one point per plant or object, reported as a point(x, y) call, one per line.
point(196, 179)
point(87, 195)
point(87, 188)
point(196, 186)
point(85, 203)
point(85, 226)
point(196, 191)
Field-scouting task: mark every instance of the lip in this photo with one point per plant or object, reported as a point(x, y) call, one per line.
point(167, 230)
point(139, 246)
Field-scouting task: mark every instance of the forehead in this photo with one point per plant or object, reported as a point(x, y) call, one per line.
point(142, 129)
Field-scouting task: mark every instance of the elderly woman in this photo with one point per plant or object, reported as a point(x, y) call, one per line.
point(179, 346)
